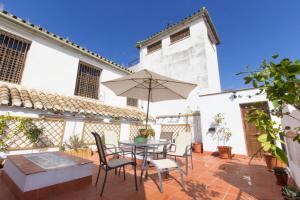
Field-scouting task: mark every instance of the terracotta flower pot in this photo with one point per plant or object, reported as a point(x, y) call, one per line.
point(272, 161)
point(225, 152)
point(197, 147)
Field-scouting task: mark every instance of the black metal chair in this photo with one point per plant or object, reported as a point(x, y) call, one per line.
point(113, 164)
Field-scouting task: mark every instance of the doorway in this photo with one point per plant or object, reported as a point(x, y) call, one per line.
point(251, 132)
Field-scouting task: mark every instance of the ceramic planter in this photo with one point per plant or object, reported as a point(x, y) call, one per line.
point(281, 176)
point(1, 163)
point(197, 147)
point(140, 139)
point(225, 152)
point(272, 161)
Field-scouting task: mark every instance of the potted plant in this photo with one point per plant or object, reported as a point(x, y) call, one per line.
point(197, 147)
point(223, 134)
point(144, 134)
point(290, 193)
point(279, 81)
point(281, 176)
point(76, 147)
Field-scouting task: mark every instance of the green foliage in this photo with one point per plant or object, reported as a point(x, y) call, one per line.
point(26, 125)
point(280, 81)
point(146, 132)
point(3, 131)
point(74, 142)
point(290, 192)
point(30, 130)
point(222, 132)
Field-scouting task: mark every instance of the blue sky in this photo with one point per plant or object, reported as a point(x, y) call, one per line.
point(250, 31)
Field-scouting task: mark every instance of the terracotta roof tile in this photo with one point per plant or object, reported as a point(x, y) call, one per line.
point(203, 12)
point(40, 100)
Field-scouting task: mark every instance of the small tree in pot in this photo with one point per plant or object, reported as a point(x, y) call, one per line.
point(223, 134)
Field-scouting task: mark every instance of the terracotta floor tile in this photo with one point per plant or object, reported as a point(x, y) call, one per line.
point(212, 178)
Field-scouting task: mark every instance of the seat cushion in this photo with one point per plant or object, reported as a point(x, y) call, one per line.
point(164, 163)
point(119, 162)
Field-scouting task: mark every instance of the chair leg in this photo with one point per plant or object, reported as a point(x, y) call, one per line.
point(119, 171)
point(181, 177)
point(135, 180)
point(160, 181)
point(99, 170)
point(192, 161)
point(186, 165)
point(103, 183)
point(124, 173)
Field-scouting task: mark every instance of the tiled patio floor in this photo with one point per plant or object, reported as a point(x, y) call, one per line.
point(212, 178)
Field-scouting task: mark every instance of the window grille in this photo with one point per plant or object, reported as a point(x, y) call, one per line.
point(132, 102)
point(87, 83)
point(13, 52)
point(180, 35)
point(153, 47)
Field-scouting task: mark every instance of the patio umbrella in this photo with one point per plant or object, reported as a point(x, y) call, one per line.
point(149, 86)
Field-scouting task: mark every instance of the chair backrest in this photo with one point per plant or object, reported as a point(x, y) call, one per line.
point(182, 141)
point(100, 148)
point(111, 137)
point(166, 136)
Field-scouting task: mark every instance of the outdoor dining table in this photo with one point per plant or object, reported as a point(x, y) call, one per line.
point(145, 146)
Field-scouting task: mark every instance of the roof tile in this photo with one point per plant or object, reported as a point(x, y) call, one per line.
point(33, 99)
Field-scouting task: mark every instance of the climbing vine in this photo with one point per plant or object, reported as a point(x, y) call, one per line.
point(25, 125)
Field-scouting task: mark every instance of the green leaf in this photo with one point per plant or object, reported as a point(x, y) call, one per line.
point(275, 56)
point(262, 138)
point(280, 154)
point(294, 69)
point(266, 146)
point(247, 80)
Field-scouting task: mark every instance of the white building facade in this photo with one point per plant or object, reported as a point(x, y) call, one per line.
point(57, 84)
point(185, 51)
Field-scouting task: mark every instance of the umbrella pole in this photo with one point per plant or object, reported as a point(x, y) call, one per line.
point(149, 94)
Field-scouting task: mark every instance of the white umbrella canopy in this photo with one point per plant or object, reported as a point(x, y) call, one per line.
point(150, 86)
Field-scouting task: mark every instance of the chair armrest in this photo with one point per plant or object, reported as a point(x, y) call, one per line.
point(188, 149)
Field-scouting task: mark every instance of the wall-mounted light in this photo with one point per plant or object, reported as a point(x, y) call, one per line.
point(212, 130)
point(234, 95)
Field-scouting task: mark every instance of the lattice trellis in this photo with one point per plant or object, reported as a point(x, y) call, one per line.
point(53, 130)
point(134, 130)
point(175, 128)
point(98, 127)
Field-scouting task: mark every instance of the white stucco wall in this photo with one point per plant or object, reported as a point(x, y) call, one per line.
point(293, 148)
point(52, 67)
point(224, 103)
point(192, 59)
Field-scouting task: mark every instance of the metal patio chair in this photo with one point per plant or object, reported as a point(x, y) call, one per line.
point(166, 165)
point(183, 148)
point(112, 164)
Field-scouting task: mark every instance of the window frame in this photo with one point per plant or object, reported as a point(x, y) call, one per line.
point(130, 100)
point(13, 55)
point(84, 89)
point(176, 37)
point(153, 45)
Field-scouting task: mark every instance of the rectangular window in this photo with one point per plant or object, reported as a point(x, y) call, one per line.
point(87, 83)
point(13, 52)
point(153, 47)
point(180, 35)
point(132, 102)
